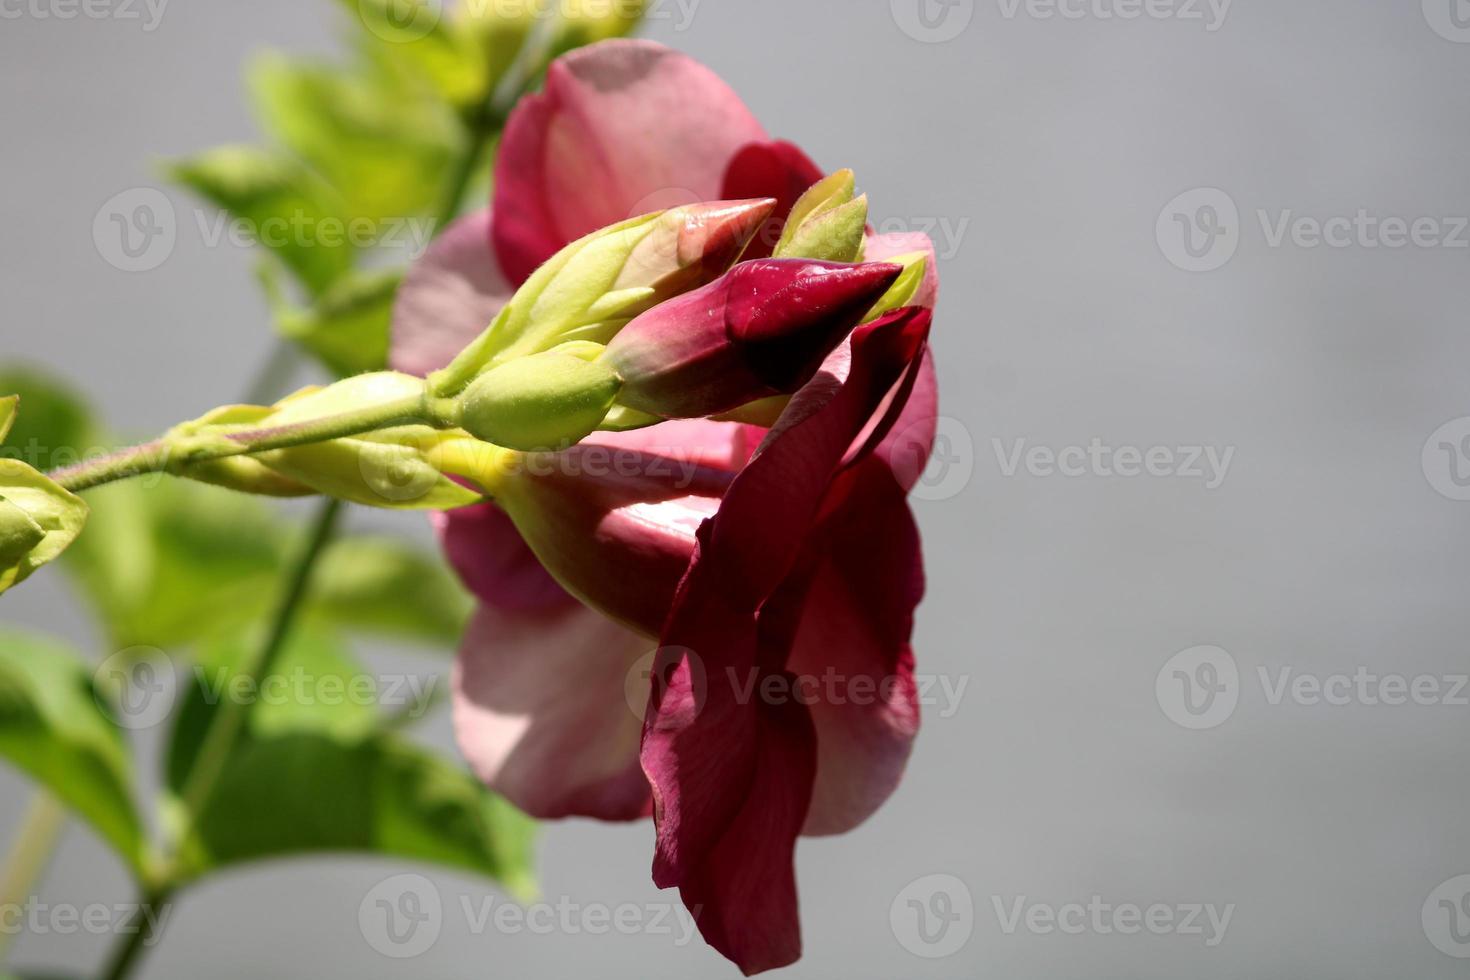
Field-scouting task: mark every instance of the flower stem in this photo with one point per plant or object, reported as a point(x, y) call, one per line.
point(229, 721)
point(176, 452)
point(34, 845)
point(126, 954)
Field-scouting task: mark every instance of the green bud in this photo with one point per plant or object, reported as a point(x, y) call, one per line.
point(903, 291)
point(583, 22)
point(827, 194)
point(38, 520)
point(390, 468)
point(835, 235)
point(543, 402)
point(592, 288)
point(7, 414)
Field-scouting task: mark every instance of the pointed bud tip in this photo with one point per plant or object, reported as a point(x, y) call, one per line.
point(715, 233)
point(789, 314)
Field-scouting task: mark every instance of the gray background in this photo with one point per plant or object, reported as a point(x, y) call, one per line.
point(1055, 144)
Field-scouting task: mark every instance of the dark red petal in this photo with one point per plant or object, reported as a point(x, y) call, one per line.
point(775, 169)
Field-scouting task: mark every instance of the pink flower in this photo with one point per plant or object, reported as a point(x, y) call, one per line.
point(756, 561)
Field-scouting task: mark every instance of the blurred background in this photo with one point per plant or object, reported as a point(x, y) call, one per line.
point(1201, 493)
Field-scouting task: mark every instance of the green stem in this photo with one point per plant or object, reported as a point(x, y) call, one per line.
point(126, 954)
point(229, 720)
point(176, 452)
point(29, 855)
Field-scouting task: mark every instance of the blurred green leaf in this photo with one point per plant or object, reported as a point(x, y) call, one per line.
point(430, 49)
point(52, 427)
point(384, 585)
point(315, 773)
point(282, 205)
point(310, 793)
point(383, 151)
point(53, 727)
point(349, 326)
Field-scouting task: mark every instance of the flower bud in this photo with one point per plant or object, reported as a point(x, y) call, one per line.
point(389, 467)
point(761, 330)
point(905, 288)
point(543, 402)
point(591, 289)
point(827, 222)
point(38, 519)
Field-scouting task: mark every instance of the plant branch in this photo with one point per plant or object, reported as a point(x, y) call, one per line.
point(29, 855)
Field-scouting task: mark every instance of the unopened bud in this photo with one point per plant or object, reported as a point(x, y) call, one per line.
point(543, 402)
point(591, 289)
point(761, 330)
point(38, 519)
point(827, 222)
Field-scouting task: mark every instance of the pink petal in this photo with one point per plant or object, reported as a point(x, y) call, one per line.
point(448, 298)
point(856, 630)
point(493, 561)
point(623, 128)
point(542, 715)
point(771, 169)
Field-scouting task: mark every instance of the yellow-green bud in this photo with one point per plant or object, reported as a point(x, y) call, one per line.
point(827, 222)
point(38, 520)
point(903, 291)
point(543, 402)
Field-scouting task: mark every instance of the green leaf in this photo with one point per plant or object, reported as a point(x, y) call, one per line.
point(348, 328)
point(432, 50)
point(315, 774)
point(384, 152)
point(387, 586)
point(52, 727)
point(283, 206)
